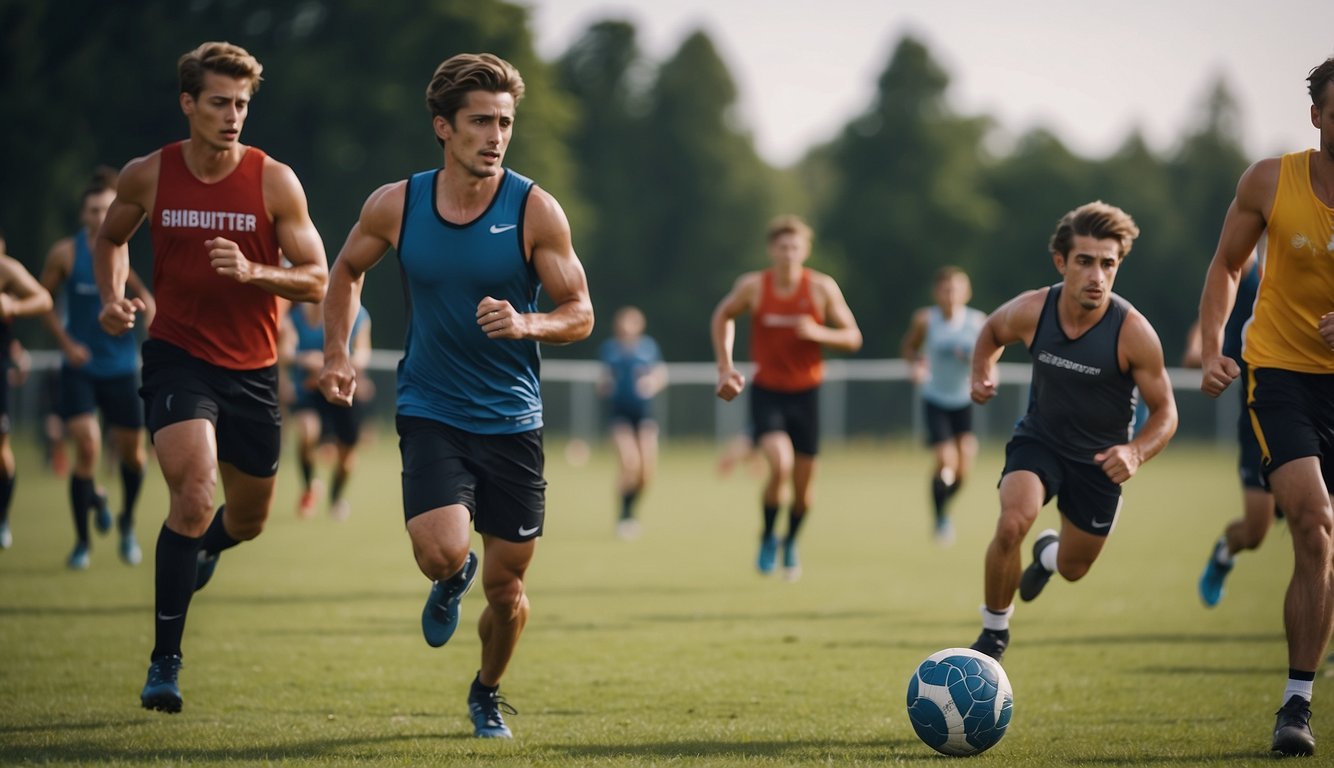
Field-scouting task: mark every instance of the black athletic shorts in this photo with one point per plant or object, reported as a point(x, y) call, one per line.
point(343, 424)
point(1250, 463)
point(117, 397)
point(796, 413)
point(1084, 494)
point(243, 405)
point(497, 477)
point(945, 424)
point(631, 414)
point(1293, 417)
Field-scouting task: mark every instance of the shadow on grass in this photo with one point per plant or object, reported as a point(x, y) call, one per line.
point(70, 751)
point(796, 749)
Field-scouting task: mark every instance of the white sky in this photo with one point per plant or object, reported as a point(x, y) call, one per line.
point(1089, 72)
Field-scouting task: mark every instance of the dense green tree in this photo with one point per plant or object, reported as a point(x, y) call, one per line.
point(907, 197)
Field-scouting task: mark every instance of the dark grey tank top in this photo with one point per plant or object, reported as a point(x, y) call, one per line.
point(1080, 402)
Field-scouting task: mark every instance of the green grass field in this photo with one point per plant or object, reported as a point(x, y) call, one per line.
point(667, 650)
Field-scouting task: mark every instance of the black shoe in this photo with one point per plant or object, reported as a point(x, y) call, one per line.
point(1292, 730)
point(1035, 576)
point(992, 642)
point(162, 692)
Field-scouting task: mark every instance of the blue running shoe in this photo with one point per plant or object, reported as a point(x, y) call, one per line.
point(103, 517)
point(204, 568)
point(161, 691)
point(129, 548)
point(791, 563)
point(768, 554)
point(79, 558)
point(6, 538)
point(1211, 581)
point(440, 617)
point(485, 707)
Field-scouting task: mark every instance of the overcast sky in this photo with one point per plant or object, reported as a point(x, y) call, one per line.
point(1090, 72)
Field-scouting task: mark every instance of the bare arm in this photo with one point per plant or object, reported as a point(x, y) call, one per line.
point(1015, 320)
point(56, 270)
point(547, 235)
point(722, 329)
point(911, 346)
point(135, 190)
point(308, 273)
point(1242, 227)
point(375, 232)
point(23, 296)
point(361, 347)
point(840, 330)
point(140, 290)
point(1142, 352)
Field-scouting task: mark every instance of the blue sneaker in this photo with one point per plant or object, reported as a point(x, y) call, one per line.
point(791, 563)
point(161, 691)
point(440, 617)
point(6, 538)
point(129, 548)
point(204, 568)
point(103, 517)
point(79, 558)
point(768, 554)
point(485, 707)
point(1211, 581)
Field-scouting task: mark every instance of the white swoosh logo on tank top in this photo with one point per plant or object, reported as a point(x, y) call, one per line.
point(498, 228)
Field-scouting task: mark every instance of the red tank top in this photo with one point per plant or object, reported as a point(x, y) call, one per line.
point(783, 362)
point(210, 316)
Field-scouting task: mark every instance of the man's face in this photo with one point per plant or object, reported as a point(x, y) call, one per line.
point(95, 209)
point(218, 113)
point(789, 249)
point(1090, 269)
point(480, 133)
point(1323, 119)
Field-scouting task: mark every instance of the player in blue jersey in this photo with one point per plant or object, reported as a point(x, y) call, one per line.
point(20, 296)
point(301, 350)
point(939, 346)
point(633, 373)
point(99, 373)
point(475, 242)
point(1090, 350)
point(1258, 508)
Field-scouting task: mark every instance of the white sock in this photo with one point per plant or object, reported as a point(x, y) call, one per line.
point(1048, 556)
point(1301, 688)
point(996, 622)
point(1221, 554)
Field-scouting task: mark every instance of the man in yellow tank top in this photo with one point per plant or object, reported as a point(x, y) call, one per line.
point(1289, 351)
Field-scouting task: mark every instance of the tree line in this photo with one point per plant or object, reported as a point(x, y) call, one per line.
point(656, 168)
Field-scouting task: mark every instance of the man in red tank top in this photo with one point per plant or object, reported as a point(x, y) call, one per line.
point(221, 214)
point(795, 312)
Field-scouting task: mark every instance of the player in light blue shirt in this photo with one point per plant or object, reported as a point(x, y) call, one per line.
point(939, 346)
point(633, 373)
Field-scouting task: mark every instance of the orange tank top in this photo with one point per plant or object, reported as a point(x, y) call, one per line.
point(783, 362)
point(212, 317)
point(1297, 285)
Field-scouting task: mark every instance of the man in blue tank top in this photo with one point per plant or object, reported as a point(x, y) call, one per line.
point(475, 242)
point(1090, 350)
point(100, 372)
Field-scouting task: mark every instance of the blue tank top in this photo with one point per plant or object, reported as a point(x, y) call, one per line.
point(626, 365)
point(450, 371)
point(1080, 403)
point(110, 356)
point(1241, 313)
point(310, 338)
point(948, 348)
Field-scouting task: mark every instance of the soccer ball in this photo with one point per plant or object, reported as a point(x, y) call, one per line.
point(959, 701)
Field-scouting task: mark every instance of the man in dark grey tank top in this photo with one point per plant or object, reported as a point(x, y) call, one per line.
point(1091, 349)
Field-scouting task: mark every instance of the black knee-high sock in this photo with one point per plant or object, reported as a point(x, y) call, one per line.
point(336, 485)
point(6, 493)
point(770, 517)
point(175, 579)
point(216, 538)
point(628, 504)
point(940, 493)
point(81, 494)
point(307, 472)
point(131, 480)
point(795, 516)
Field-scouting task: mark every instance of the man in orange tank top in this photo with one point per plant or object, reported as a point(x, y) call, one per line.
point(1289, 353)
point(795, 313)
point(223, 217)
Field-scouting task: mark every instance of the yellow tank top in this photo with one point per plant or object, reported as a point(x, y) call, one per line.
point(1297, 286)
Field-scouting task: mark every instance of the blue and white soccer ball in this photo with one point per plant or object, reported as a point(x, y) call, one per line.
point(960, 701)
